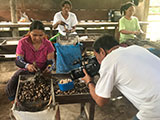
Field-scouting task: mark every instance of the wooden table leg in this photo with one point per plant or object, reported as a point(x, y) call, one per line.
point(83, 112)
point(91, 110)
point(89, 114)
point(82, 107)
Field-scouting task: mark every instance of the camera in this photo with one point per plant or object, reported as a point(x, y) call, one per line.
point(90, 64)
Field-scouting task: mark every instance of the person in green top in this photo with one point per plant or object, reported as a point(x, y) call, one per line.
point(129, 26)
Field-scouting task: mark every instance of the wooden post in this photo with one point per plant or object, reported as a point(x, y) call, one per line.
point(13, 8)
point(146, 12)
point(146, 9)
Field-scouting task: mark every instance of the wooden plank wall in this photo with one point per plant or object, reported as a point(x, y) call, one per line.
point(45, 9)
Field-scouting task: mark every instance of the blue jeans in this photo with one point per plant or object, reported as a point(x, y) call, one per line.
point(13, 82)
point(135, 118)
point(154, 51)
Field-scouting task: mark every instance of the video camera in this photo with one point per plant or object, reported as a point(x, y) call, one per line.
point(90, 64)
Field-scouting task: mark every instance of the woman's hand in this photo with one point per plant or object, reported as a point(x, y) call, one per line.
point(61, 22)
point(47, 69)
point(66, 30)
point(31, 68)
point(141, 36)
point(136, 32)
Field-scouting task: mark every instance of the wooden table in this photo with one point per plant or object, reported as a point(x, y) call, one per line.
point(82, 98)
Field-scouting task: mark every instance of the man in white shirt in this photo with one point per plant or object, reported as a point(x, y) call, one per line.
point(65, 21)
point(133, 70)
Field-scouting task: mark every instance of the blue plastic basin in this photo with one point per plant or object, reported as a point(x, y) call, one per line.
point(66, 86)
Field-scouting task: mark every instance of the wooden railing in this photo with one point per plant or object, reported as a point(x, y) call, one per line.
point(8, 44)
point(84, 25)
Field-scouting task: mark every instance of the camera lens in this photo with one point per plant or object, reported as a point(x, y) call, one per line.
point(91, 68)
point(77, 73)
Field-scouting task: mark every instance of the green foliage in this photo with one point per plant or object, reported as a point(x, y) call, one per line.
point(154, 10)
point(154, 2)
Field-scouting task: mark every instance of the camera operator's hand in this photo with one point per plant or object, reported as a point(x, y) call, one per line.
point(86, 78)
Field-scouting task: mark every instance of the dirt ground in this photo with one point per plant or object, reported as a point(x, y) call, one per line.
point(116, 109)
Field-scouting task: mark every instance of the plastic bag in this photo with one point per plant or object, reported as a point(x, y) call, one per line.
point(66, 55)
point(24, 17)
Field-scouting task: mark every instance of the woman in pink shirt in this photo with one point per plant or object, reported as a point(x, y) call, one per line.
point(34, 52)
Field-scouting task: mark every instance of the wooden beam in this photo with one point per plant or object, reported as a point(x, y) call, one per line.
point(146, 10)
point(13, 8)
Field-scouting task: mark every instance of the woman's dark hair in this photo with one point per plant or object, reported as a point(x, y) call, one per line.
point(66, 2)
point(125, 7)
point(36, 25)
point(106, 42)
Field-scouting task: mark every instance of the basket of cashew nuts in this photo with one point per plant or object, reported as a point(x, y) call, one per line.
point(34, 93)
